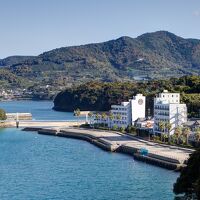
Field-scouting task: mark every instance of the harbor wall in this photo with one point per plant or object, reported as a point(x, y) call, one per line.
point(19, 116)
point(157, 160)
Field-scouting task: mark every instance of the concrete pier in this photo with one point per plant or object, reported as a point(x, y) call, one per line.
point(169, 157)
point(39, 123)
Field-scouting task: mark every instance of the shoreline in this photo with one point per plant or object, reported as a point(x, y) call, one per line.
point(172, 158)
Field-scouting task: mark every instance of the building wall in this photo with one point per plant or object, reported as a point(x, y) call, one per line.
point(124, 111)
point(138, 104)
point(128, 111)
point(178, 115)
point(168, 97)
point(167, 109)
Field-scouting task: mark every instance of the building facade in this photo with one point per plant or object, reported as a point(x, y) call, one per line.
point(128, 112)
point(168, 109)
point(121, 114)
point(138, 106)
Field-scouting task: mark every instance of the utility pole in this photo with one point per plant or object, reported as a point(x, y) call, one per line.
point(17, 121)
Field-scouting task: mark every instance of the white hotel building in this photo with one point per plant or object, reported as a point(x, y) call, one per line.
point(168, 109)
point(127, 112)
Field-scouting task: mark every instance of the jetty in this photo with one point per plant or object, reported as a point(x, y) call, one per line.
point(166, 156)
point(40, 123)
point(18, 116)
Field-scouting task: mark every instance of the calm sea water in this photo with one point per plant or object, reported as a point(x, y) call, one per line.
point(41, 110)
point(37, 167)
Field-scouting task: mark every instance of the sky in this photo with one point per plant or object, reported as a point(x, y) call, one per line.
point(30, 27)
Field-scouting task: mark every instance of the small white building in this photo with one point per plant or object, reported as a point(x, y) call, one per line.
point(144, 123)
point(168, 109)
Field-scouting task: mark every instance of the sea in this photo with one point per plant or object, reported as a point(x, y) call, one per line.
point(39, 167)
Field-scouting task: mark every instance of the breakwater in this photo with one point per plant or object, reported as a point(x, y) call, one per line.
point(40, 123)
point(18, 116)
point(168, 157)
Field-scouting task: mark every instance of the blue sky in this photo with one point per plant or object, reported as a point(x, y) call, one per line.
point(30, 27)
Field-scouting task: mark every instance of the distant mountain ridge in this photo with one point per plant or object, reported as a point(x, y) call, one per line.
point(159, 54)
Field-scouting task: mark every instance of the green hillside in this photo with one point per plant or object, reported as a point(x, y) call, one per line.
point(98, 96)
point(155, 55)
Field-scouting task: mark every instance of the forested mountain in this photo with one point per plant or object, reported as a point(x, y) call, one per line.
point(156, 55)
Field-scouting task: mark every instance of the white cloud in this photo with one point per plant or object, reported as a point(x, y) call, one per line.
point(196, 13)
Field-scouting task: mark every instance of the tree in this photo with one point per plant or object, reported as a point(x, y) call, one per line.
point(118, 117)
point(161, 126)
point(111, 117)
point(104, 116)
point(189, 181)
point(2, 114)
point(97, 117)
point(165, 136)
point(178, 133)
point(131, 129)
point(186, 133)
point(115, 127)
point(90, 115)
point(173, 138)
point(77, 113)
point(122, 129)
point(197, 134)
point(169, 127)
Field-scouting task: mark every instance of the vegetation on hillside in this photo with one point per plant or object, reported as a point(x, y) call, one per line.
point(100, 96)
point(189, 180)
point(155, 55)
point(2, 114)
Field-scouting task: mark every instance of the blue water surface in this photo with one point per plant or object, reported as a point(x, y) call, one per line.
point(38, 167)
point(41, 110)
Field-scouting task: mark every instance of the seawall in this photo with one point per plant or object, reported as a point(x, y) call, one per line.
point(39, 123)
point(115, 142)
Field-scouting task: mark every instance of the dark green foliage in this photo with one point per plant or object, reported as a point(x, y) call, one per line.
point(94, 96)
point(2, 114)
point(98, 96)
point(189, 180)
point(131, 129)
point(156, 55)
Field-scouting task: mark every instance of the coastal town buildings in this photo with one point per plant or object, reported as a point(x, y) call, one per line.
point(192, 124)
point(146, 123)
point(126, 113)
point(168, 109)
point(121, 114)
point(138, 106)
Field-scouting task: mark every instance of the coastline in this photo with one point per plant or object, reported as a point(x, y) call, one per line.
point(172, 158)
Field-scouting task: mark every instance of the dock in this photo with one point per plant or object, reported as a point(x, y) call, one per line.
point(166, 156)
